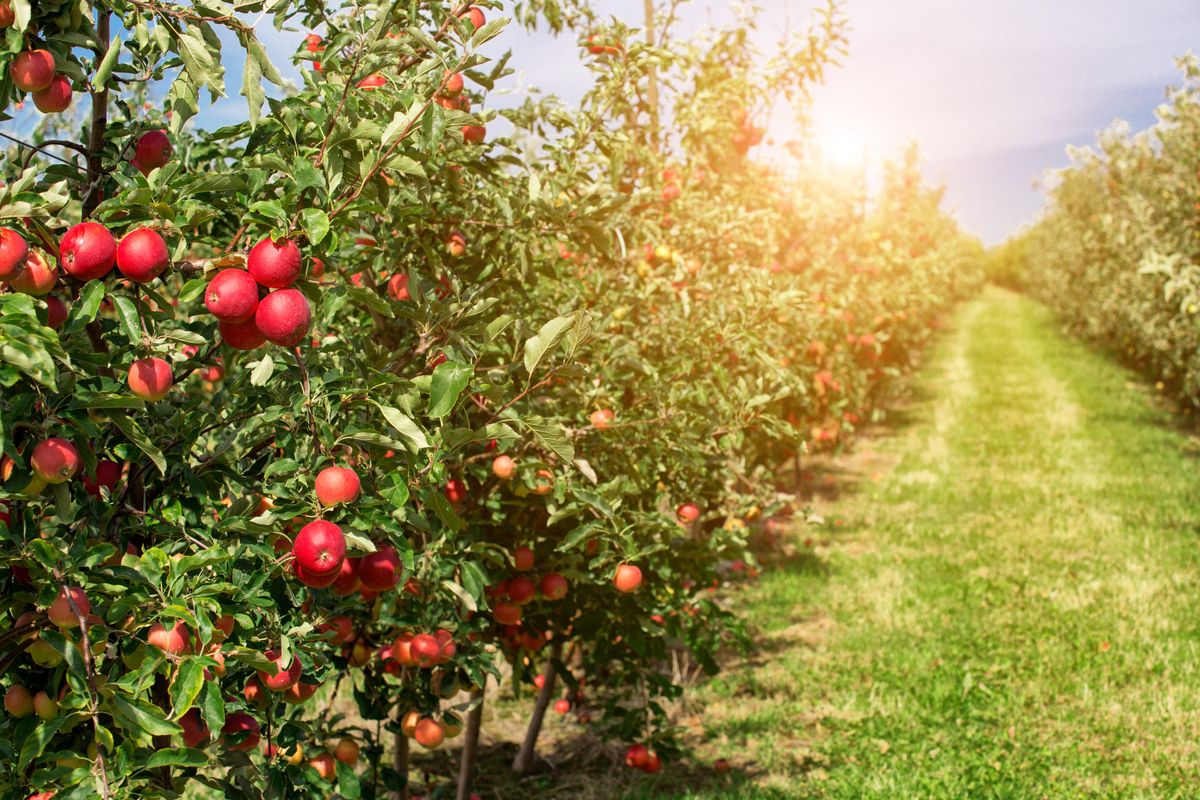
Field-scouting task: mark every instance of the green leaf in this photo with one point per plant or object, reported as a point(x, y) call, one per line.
point(142, 717)
point(139, 438)
point(36, 742)
point(405, 426)
point(84, 309)
point(551, 435)
point(550, 334)
point(212, 706)
point(104, 71)
point(316, 224)
point(192, 289)
point(131, 321)
point(177, 757)
point(449, 380)
point(186, 687)
point(263, 372)
point(69, 650)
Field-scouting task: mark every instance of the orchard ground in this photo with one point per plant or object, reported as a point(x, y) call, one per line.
point(1001, 603)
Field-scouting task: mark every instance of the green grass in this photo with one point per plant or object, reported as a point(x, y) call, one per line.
point(1012, 610)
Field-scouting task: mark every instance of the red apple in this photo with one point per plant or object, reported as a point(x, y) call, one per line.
point(87, 251)
point(240, 731)
point(142, 255)
point(62, 611)
point(521, 590)
point(475, 15)
point(153, 150)
point(507, 613)
point(275, 264)
point(425, 650)
point(455, 491)
point(341, 626)
point(106, 477)
point(688, 513)
point(371, 82)
point(503, 467)
point(174, 640)
point(453, 84)
point(18, 701)
point(627, 578)
point(430, 734)
point(380, 571)
point(346, 751)
point(36, 278)
point(300, 692)
point(285, 677)
point(232, 295)
point(523, 559)
point(56, 312)
point(456, 244)
point(54, 460)
point(195, 732)
point(637, 756)
point(601, 418)
point(562, 706)
point(7, 18)
point(653, 764)
point(45, 706)
point(347, 581)
point(553, 586)
point(13, 252)
point(32, 70)
point(320, 548)
point(150, 379)
point(473, 134)
point(243, 335)
point(398, 287)
point(336, 485)
point(283, 317)
point(54, 98)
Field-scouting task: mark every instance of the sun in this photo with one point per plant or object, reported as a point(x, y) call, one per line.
point(839, 146)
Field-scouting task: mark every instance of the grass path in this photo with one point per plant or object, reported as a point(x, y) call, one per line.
point(1011, 610)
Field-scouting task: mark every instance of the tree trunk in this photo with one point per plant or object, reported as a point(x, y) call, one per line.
point(524, 760)
point(400, 764)
point(470, 752)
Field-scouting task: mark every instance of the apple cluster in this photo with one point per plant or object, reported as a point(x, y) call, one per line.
point(258, 304)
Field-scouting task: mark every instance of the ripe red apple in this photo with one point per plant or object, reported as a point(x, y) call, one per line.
point(223, 627)
point(36, 277)
point(56, 312)
point(174, 640)
point(475, 15)
point(688, 513)
point(54, 460)
point(87, 251)
point(320, 548)
point(545, 482)
point(54, 98)
point(283, 317)
point(336, 485)
point(61, 612)
point(380, 571)
point(341, 626)
point(346, 751)
point(300, 692)
point(150, 379)
point(562, 706)
point(324, 764)
point(521, 590)
point(153, 150)
point(243, 335)
point(142, 255)
point(446, 645)
point(7, 18)
point(347, 581)
point(18, 701)
point(32, 70)
point(473, 134)
point(553, 586)
point(627, 578)
point(456, 244)
point(453, 85)
point(106, 477)
point(503, 467)
point(425, 650)
point(45, 706)
point(371, 82)
point(637, 756)
point(232, 295)
point(13, 252)
point(506, 613)
point(653, 764)
point(240, 731)
point(195, 732)
point(285, 677)
point(275, 264)
point(455, 491)
point(398, 287)
point(601, 418)
point(523, 559)
point(430, 734)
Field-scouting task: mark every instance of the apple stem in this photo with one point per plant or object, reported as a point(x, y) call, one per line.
point(470, 752)
point(524, 760)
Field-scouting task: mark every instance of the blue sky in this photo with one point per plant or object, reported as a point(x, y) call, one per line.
point(993, 91)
